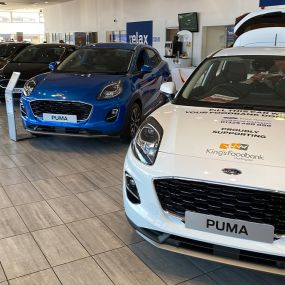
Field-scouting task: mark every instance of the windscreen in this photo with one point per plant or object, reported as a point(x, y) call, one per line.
point(237, 82)
point(8, 49)
point(97, 60)
point(42, 54)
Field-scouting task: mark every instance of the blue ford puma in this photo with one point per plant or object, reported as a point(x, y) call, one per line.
point(103, 89)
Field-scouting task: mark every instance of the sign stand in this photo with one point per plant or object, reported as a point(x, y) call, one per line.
point(10, 105)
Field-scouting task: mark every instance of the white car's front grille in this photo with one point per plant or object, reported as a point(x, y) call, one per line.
point(177, 196)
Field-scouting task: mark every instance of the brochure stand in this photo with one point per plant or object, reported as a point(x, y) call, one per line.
point(10, 105)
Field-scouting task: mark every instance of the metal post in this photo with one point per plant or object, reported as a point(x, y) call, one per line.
point(10, 105)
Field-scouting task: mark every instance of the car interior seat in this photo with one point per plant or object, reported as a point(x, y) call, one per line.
point(235, 72)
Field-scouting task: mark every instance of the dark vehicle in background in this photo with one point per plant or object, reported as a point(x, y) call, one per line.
point(9, 50)
point(31, 61)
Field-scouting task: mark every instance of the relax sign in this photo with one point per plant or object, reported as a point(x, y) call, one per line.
point(264, 3)
point(140, 32)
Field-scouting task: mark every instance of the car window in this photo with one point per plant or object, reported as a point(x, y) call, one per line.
point(142, 59)
point(8, 49)
point(237, 81)
point(69, 51)
point(41, 54)
point(154, 58)
point(97, 60)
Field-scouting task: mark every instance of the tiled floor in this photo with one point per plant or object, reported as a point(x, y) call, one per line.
point(62, 221)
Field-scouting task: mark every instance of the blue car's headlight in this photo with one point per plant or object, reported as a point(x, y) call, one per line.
point(29, 87)
point(112, 90)
point(147, 141)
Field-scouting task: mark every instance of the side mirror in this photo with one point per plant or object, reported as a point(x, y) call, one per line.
point(168, 89)
point(53, 66)
point(146, 69)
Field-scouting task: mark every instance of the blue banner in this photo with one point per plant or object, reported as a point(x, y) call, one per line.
point(264, 3)
point(230, 35)
point(140, 32)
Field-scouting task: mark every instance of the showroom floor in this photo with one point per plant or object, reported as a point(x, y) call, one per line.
point(62, 220)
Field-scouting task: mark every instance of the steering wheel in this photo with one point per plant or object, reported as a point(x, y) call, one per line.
point(225, 89)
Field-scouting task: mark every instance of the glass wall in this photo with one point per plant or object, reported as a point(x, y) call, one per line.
point(21, 17)
point(30, 25)
point(5, 17)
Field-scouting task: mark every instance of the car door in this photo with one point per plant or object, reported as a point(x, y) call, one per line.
point(156, 78)
point(143, 80)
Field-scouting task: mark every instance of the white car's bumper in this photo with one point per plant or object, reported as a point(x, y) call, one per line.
point(149, 218)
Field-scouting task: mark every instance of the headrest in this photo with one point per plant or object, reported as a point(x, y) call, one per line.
point(235, 71)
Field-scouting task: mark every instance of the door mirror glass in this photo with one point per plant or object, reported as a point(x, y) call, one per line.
point(146, 69)
point(53, 66)
point(168, 89)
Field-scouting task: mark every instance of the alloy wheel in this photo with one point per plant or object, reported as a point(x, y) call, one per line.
point(135, 120)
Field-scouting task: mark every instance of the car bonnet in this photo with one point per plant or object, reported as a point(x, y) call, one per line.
point(73, 86)
point(243, 136)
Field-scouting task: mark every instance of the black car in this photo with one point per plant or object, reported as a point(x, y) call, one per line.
point(9, 50)
point(31, 61)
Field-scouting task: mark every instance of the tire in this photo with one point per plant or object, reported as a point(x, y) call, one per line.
point(37, 135)
point(133, 122)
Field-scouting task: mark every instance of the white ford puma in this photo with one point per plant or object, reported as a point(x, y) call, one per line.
point(205, 174)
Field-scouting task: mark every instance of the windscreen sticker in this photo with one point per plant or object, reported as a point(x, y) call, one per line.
point(239, 132)
point(218, 98)
point(237, 112)
point(237, 151)
point(246, 122)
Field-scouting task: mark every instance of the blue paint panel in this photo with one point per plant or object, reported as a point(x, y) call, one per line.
point(264, 3)
point(140, 32)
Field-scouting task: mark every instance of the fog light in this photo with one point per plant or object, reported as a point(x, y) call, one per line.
point(131, 189)
point(112, 115)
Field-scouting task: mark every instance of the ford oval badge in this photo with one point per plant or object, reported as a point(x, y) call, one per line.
point(231, 171)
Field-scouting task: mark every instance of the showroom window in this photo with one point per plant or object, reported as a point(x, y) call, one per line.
point(24, 17)
point(5, 17)
point(21, 17)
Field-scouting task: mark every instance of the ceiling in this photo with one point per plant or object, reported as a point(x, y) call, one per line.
point(28, 4)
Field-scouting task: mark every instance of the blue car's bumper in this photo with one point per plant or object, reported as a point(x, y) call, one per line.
point(99, 121)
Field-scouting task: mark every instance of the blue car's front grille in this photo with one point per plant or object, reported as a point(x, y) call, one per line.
point(81, 110)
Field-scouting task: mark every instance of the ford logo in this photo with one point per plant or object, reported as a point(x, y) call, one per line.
point(57, 95)
point(231, 171)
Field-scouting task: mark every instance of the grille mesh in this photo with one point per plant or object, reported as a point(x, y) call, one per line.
point(81, 110)
point(177, 196)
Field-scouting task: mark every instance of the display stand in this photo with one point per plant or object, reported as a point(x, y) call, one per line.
point(10, 105)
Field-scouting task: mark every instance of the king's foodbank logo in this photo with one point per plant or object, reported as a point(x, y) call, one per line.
point(237, 151)
point(235, 146)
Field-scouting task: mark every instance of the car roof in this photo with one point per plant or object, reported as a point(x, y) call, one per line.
point(254, 16)
point(15, 43)
point(53, 45)
point(237, 51)
point(126, 46)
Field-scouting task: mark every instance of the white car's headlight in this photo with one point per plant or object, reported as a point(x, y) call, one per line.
point(29, 87)
point(112, 90)
point(147, 141)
